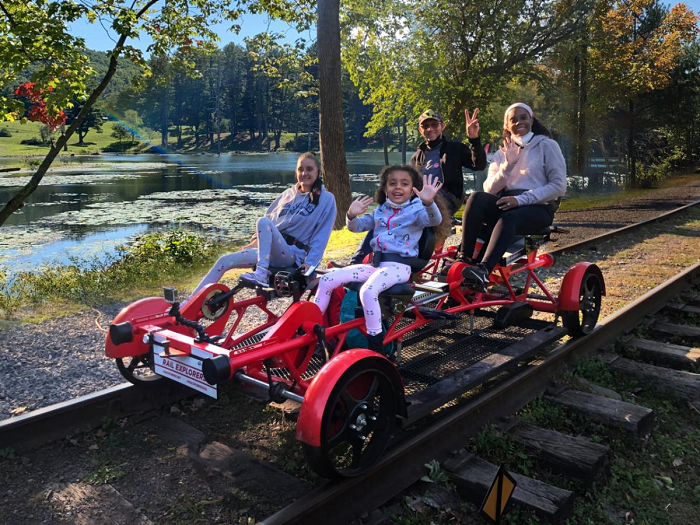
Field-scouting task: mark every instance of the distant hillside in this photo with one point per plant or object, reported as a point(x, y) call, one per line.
point(126, 71)
point(121, 80)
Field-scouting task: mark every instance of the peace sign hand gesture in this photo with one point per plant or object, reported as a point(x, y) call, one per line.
point(472, 123)
point(431, 185)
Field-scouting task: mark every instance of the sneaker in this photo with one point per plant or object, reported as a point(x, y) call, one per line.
point(376, 343)
point(477, 277)
point(260, 277)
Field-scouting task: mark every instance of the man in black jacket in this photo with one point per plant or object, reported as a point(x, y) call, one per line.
point(443, 159)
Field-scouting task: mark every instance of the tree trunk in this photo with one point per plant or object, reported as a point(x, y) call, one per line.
point(631, 157)
point(386, 147)
point(333, 162)
point(403, 142)
point(164, 123)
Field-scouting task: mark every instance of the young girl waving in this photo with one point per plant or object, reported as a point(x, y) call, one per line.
point(398, 223)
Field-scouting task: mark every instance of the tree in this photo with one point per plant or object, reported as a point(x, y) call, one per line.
point(120, 131)
point(36, 33)
point(91, 120)
point(407, 55)
point(635, 46)
point(333, 162)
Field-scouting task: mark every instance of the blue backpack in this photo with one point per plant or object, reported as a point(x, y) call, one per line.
point(355, 338)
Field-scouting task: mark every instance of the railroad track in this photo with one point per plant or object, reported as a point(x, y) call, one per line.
point(44, 425)
point(348, 499)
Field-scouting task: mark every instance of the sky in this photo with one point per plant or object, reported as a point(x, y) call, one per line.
point(97, 38)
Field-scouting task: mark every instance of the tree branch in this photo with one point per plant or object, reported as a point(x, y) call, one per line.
point(17, 201)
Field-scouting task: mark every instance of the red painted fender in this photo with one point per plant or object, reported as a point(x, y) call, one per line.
point(571, 285)
point(150, 306)
point(316, 396)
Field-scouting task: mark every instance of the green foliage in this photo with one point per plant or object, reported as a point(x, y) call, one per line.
point(4, 132)
point(154, 258)
point(435, 473)
point(105, 473)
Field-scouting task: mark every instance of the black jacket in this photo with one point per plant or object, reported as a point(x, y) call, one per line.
point(454, 155)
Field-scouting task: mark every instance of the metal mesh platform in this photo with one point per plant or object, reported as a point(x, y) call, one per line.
point(442, 348)
point(439, 349)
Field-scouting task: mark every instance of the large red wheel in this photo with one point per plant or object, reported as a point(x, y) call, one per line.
point(582, 321)
point(357, 423)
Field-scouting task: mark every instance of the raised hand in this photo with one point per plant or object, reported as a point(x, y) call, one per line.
point(511, 150)
point(359, 206)
point(472, 123)
point(431, 185)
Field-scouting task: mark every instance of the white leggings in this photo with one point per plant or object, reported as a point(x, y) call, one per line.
point(272, 249)
point(376, 281)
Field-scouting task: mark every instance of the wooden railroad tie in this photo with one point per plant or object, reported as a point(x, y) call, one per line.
point(636, 421)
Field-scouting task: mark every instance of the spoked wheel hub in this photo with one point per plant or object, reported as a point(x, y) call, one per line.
point(357, 423)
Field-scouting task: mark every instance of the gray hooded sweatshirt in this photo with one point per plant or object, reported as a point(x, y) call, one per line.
point(540, 169)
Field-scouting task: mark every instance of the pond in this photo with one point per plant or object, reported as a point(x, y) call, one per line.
point(88, 205)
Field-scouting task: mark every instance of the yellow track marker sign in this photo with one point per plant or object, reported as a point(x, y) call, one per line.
point(498, 495)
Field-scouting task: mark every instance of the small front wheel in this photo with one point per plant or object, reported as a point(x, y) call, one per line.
point(582, 321)
point(138, 370)
point(357, 423)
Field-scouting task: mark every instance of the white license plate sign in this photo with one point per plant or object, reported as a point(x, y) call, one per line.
point(185, 370)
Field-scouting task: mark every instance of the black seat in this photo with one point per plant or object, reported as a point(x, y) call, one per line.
point(523, 244)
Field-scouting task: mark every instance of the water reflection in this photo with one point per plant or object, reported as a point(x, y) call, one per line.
point(88, 205)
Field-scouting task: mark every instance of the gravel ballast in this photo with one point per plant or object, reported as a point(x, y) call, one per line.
point(59, 359)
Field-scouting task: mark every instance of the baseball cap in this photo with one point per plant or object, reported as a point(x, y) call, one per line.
point(429, 114)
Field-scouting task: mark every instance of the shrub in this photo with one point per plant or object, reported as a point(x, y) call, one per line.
point(154, 258)
point(4, 132)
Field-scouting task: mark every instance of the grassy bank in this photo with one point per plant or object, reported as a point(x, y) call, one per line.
point(155, 260)
point(177, 258)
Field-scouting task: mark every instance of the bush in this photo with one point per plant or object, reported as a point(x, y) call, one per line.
point(156, 257)
point(4, 132)
point(34, 141)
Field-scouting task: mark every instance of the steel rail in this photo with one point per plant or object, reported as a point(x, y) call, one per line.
point(345, 500)
point(47, 424)
point(53, 422)
point(625, 229)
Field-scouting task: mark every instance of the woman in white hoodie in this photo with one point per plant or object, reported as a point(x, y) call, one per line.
point(525, 181)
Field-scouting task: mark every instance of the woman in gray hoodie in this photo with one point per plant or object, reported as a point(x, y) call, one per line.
point(293, 232)
point(525, 181)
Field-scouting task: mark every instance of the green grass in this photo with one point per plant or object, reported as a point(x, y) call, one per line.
point(93, 142)
point(156, 259)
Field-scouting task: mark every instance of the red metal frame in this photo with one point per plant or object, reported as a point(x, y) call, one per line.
point(291, 340)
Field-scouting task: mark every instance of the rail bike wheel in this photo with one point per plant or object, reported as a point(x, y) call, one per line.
point(357, 423)
point(582, 321)
point(138, 370)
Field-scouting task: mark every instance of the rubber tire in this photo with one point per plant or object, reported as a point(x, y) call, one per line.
point(582, 321)
point(150, 381)
point(367, 385)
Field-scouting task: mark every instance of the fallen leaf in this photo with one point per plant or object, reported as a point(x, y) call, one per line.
point(677, 462)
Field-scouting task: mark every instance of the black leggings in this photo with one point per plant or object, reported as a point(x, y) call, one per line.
point(482, 217)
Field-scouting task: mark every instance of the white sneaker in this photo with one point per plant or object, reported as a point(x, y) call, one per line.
point(260, 277)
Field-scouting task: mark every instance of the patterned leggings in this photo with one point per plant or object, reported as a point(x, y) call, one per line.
point(376, 281)
point(272, 248)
